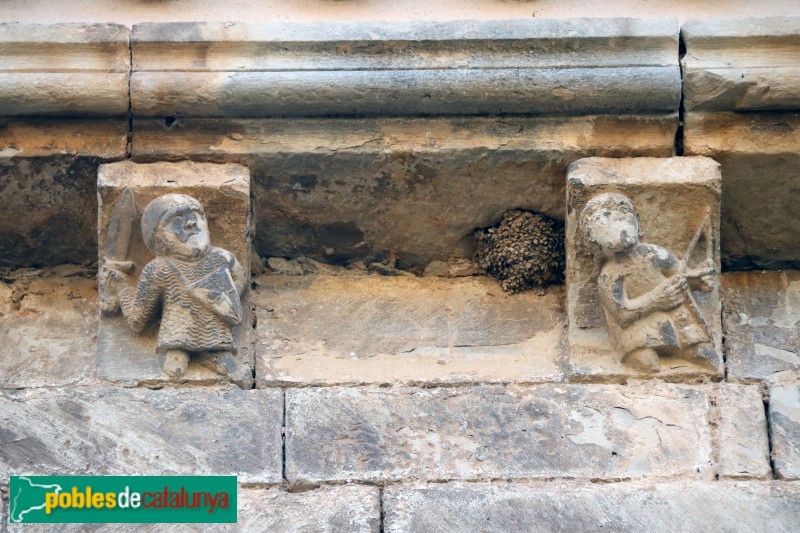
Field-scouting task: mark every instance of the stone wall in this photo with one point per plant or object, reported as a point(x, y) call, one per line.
point(504, 115)
point(407, 403)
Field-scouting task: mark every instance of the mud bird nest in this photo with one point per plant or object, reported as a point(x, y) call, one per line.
point(524, 251)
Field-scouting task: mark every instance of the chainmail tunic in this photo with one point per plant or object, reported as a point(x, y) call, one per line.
point(185, 324)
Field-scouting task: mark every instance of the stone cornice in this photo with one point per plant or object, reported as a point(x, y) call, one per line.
point(526, 67)
point(742, 64)
point(64, 69)
point(572, 67)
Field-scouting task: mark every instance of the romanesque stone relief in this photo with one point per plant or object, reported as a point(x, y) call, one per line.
point(643, 267)
point(647, 293)
point(174, 306)
point(193, 286)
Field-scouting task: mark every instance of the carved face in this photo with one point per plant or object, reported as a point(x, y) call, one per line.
point(183, 232)
point(610, 225)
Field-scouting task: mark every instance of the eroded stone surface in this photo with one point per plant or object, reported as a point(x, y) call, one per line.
point(48, 328)
point(3, 508)
point(114, 431)
point(335, 189)
point(583, 431)
point(552, 507)
point(676, 199)
point(324, 329)
point(48, 172)
point(64, 69)
point(523, 66)
point(759, 154)
point(761, 318)
point(224, 193)
point(784, 420)
point(742, 64)
point(743, 445)
point(328, 509)
point(333, 509)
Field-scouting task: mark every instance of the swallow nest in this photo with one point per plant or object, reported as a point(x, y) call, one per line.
point(524, 251)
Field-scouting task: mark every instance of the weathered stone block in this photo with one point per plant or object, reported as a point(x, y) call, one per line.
point(744, 64)
point(759, 154)
point(784, 421)
point(325, 329)
point(224, 193)
point(552, 507)
point(618, 307)
point(113, 431)
point(48, 328)
point(339, 189)
point(741, 93)
point(743, 445)
point(328, 509)
point(761, 319)
point(344, 508)
point(582, 431)
point(405, 68)
point(3, 508)
point(48, 175)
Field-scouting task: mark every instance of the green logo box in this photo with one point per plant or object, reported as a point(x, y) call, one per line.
point(122, 499)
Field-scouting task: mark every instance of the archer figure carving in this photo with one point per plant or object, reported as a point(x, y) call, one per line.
point(195, 287)
point(645, 290)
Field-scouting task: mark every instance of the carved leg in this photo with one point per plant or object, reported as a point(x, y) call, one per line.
point(644, 359)
point(174, 362)
point(226, 364)
point(704, 354)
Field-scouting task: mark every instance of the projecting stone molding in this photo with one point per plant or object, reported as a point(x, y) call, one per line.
point(78, 95)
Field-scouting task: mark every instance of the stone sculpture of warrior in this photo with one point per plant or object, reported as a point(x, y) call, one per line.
point(194, 286)
point(645, 290)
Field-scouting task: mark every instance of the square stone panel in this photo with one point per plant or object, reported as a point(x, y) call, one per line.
point(672, 196)
point(353, 329)
point(761, 319)
point(224, 192)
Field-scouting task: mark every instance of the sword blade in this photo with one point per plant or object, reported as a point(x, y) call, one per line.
point(120, 227)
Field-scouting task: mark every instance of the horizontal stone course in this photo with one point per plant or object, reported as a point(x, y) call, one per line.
point(667, 507)
point(328, 509)
point(344, 189)
point(742, 65)
point(113, 431)
point(64, 69)
point(582, 431)
point(375, 93)
point(409, 68)
point(358, 329)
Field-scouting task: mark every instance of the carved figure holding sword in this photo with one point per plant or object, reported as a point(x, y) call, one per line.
point(193, 286)
point(647, 292)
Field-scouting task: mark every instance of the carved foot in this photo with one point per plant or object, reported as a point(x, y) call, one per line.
point(174, 363)
point(704, 355)
point(644, 360)
point(226, 364)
